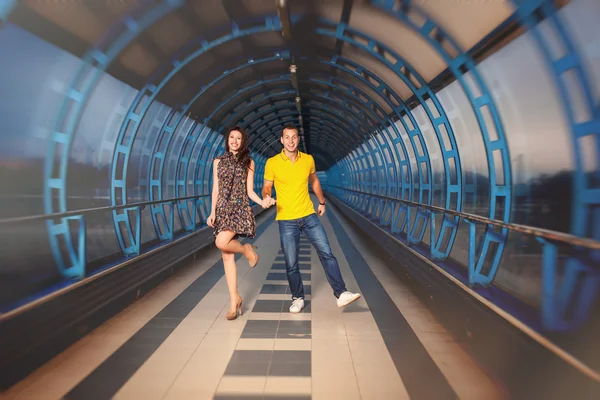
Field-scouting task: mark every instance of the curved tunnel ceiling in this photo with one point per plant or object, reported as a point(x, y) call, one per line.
point(239, 32)
point(359, 78)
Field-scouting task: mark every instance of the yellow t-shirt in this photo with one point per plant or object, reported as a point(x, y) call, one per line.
point(291, 184)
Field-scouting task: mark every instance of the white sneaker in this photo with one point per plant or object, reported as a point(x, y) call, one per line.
point(347, 298)
point(297, 305)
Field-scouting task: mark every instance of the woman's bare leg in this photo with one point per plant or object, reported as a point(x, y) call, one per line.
point(225, 243)
point(231, 278)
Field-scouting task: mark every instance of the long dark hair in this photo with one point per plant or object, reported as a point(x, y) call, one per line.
point(243, 154)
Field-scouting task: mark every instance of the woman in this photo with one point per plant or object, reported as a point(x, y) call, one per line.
point(231, 215)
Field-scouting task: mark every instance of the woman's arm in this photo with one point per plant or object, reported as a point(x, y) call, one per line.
point(250, 186)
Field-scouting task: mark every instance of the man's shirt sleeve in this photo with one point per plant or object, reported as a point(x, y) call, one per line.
point(269, 172)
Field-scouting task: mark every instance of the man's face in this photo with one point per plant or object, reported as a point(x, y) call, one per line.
point(290, 139)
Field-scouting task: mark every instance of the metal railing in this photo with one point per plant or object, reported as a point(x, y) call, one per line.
point(572, 277)
point(75, 249)
point(530, 230)
point(85, 211)
point(555, 298)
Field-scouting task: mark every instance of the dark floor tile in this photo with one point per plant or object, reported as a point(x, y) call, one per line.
point(164, 322)
point(282, 266)
point(307, 290)
point(260, 329)
point(301, 250)
point(290, 335)
point(285, 369)
point(279, 264)
point(150, 335)
point(274, 306)
point(258, 335)
point(282, 276)
point(252, 356)
point(280, 269)
point(291, 357)
point(281, 259)
point(273, 289)
point(294, 327)
point(247, 369)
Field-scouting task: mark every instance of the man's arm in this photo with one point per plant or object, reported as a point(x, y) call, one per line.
point(267, 188)
point(316, 187)
point(315, 183)
point(268, 178)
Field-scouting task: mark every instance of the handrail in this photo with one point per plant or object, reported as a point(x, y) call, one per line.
point(543, 233)
point(85, 211)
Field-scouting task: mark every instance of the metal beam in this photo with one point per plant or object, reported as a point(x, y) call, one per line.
point(283, 11)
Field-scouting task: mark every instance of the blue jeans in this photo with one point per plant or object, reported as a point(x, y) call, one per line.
point(289, 234)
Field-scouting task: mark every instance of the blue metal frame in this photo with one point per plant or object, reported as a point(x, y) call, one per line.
point(256, 125)
point(371, 106)
point(190, 142)
point(274, 133)
point(457, 64)
point(382, 88)
point(258, 159)
point(133, 120)
point(375, 147)
point(159, 154)
point(275, 130)
point(92, 69)
point(183, 163)
point(178, 65)
point(586, 198)
point(586, 217)
point(200, 177)
point(146, 149)
point(421, 159)
point(279, 118)
point(230, 118)
point(401, 68)
point(346, 124)
point(209, 148)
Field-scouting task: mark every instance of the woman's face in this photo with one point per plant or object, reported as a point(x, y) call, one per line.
point(235, 140)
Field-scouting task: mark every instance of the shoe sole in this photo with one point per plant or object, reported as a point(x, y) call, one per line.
point(350, 302)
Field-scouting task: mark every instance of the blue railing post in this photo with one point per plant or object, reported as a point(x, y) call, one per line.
point(472, 259)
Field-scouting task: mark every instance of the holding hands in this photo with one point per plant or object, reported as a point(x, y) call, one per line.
point(267, 202)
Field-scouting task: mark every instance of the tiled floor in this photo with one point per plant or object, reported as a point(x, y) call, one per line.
point(175, 343)
point(273, 354)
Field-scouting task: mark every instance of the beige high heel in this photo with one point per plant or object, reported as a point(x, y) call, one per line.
point(252, 247)
point(233, 315)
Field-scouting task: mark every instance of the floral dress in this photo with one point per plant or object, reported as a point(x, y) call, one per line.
point(233, 211)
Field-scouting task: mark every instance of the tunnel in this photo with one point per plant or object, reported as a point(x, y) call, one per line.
point(458, 142)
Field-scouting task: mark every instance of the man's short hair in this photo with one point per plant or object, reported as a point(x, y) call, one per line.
point(289, 126)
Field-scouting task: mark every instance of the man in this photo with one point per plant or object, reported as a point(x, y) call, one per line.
point(290, 171)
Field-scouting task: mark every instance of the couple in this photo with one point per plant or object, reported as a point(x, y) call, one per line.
point(231, 215)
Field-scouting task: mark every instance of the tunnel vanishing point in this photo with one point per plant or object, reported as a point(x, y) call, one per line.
point(464, 134)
